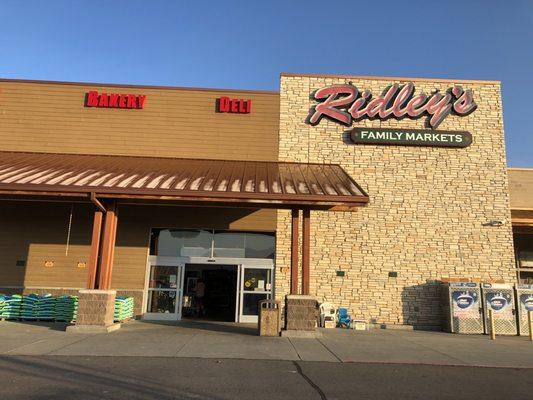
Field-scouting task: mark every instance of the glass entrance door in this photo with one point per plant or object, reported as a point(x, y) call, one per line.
point(255, 285)
point(165, 290)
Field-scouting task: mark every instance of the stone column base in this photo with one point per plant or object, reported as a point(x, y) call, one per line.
point(92, 328)
point(96, 309)
point(301, 313)
point(301, 334)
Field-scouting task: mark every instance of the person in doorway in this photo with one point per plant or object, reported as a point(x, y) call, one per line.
point(199, 294)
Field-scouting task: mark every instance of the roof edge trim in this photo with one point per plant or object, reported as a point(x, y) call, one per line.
point(136, 86)
point(392, 78)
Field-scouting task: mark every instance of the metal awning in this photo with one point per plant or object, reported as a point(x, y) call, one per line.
point(280, 184)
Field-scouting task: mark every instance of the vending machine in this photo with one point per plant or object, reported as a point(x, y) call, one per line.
point(500, 299)
point(463, 309)
point(524, 298)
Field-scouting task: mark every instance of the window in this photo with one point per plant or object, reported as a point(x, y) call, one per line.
point(211, 243)
point(523, 244)
point(182, 243)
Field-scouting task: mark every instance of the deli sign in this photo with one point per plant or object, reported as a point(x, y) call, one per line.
point(236, 106)
point(346, 103)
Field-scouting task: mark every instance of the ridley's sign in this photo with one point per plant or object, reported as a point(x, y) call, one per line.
point(345, 104)
point(114, 100)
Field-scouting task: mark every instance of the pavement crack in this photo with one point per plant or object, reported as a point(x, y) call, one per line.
point(176, 354)
point(463, 362)
point(295, 349)
point(330, 351)
point(24, 345)
point(66, 345)
point(310, 381)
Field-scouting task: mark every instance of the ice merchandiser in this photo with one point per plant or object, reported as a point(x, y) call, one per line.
point(524, 297)
point(462, 301)
point(500, 299)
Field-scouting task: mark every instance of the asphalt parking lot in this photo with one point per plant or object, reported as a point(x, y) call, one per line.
point(67, 377)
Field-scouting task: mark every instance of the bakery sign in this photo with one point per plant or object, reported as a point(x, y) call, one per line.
point(346, 104)
point(114, 100)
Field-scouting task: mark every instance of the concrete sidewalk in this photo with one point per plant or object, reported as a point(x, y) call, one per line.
point(219, 340)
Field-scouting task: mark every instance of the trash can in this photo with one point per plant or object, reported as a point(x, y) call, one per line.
point(269, 318)
point(462, 308)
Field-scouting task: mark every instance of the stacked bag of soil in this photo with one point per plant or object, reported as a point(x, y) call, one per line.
point(29, 306)
point(11, 306)
point(123, 308)
point(66, 308)
point(45, 307)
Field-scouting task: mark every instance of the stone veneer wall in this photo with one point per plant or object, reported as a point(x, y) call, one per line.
point(427, 206)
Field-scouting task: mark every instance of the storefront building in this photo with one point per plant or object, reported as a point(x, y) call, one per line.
point(364, 192)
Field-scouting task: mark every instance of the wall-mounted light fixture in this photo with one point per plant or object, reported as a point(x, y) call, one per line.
point(493, 222)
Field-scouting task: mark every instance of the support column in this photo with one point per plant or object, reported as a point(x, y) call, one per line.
point(96, 306)
point(108, 247)
point(95, 249)
point(306, 251)
point(294, 251)
point(96, 310)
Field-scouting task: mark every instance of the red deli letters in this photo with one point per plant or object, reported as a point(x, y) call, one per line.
point(342, 103)
point(114, 100)
point(238, 106)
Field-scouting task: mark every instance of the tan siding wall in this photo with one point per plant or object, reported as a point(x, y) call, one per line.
point(48, 117)
point(521, 188)
point(37, 231)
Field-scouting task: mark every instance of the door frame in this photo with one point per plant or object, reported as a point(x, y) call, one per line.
point(240, 317)
point(180, 271)
point(239, 262)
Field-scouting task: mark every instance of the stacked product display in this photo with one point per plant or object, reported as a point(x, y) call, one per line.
point(66, 308)
point(29, 308)
point(46, 306)
point(11, 306)
point(54, 308)
point(39, 307)
point(123, 308)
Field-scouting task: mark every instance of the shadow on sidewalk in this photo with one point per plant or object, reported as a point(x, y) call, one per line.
point(210, 326)
point(53, 326)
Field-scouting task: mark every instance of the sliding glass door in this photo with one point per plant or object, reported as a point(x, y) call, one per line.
point(255, 285)
point(165, 289)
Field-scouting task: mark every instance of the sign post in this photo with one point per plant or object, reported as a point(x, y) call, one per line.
point(492, 329)
point(530, 323)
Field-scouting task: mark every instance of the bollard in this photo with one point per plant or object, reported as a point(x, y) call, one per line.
point(492, 330)
point(530, 323)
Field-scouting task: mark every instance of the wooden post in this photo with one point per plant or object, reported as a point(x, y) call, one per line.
point(95, 250)
point(530, 323)
point(306, 243)
point(294, 251)
point(492, 330)
point(108, 247)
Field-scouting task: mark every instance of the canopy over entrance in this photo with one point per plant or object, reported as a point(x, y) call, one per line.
point(278, 184)
point(108, 181)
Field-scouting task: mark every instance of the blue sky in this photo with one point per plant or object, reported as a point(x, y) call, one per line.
point(246, 44)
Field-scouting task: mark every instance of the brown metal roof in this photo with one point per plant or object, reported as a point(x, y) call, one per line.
point(179, 179)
